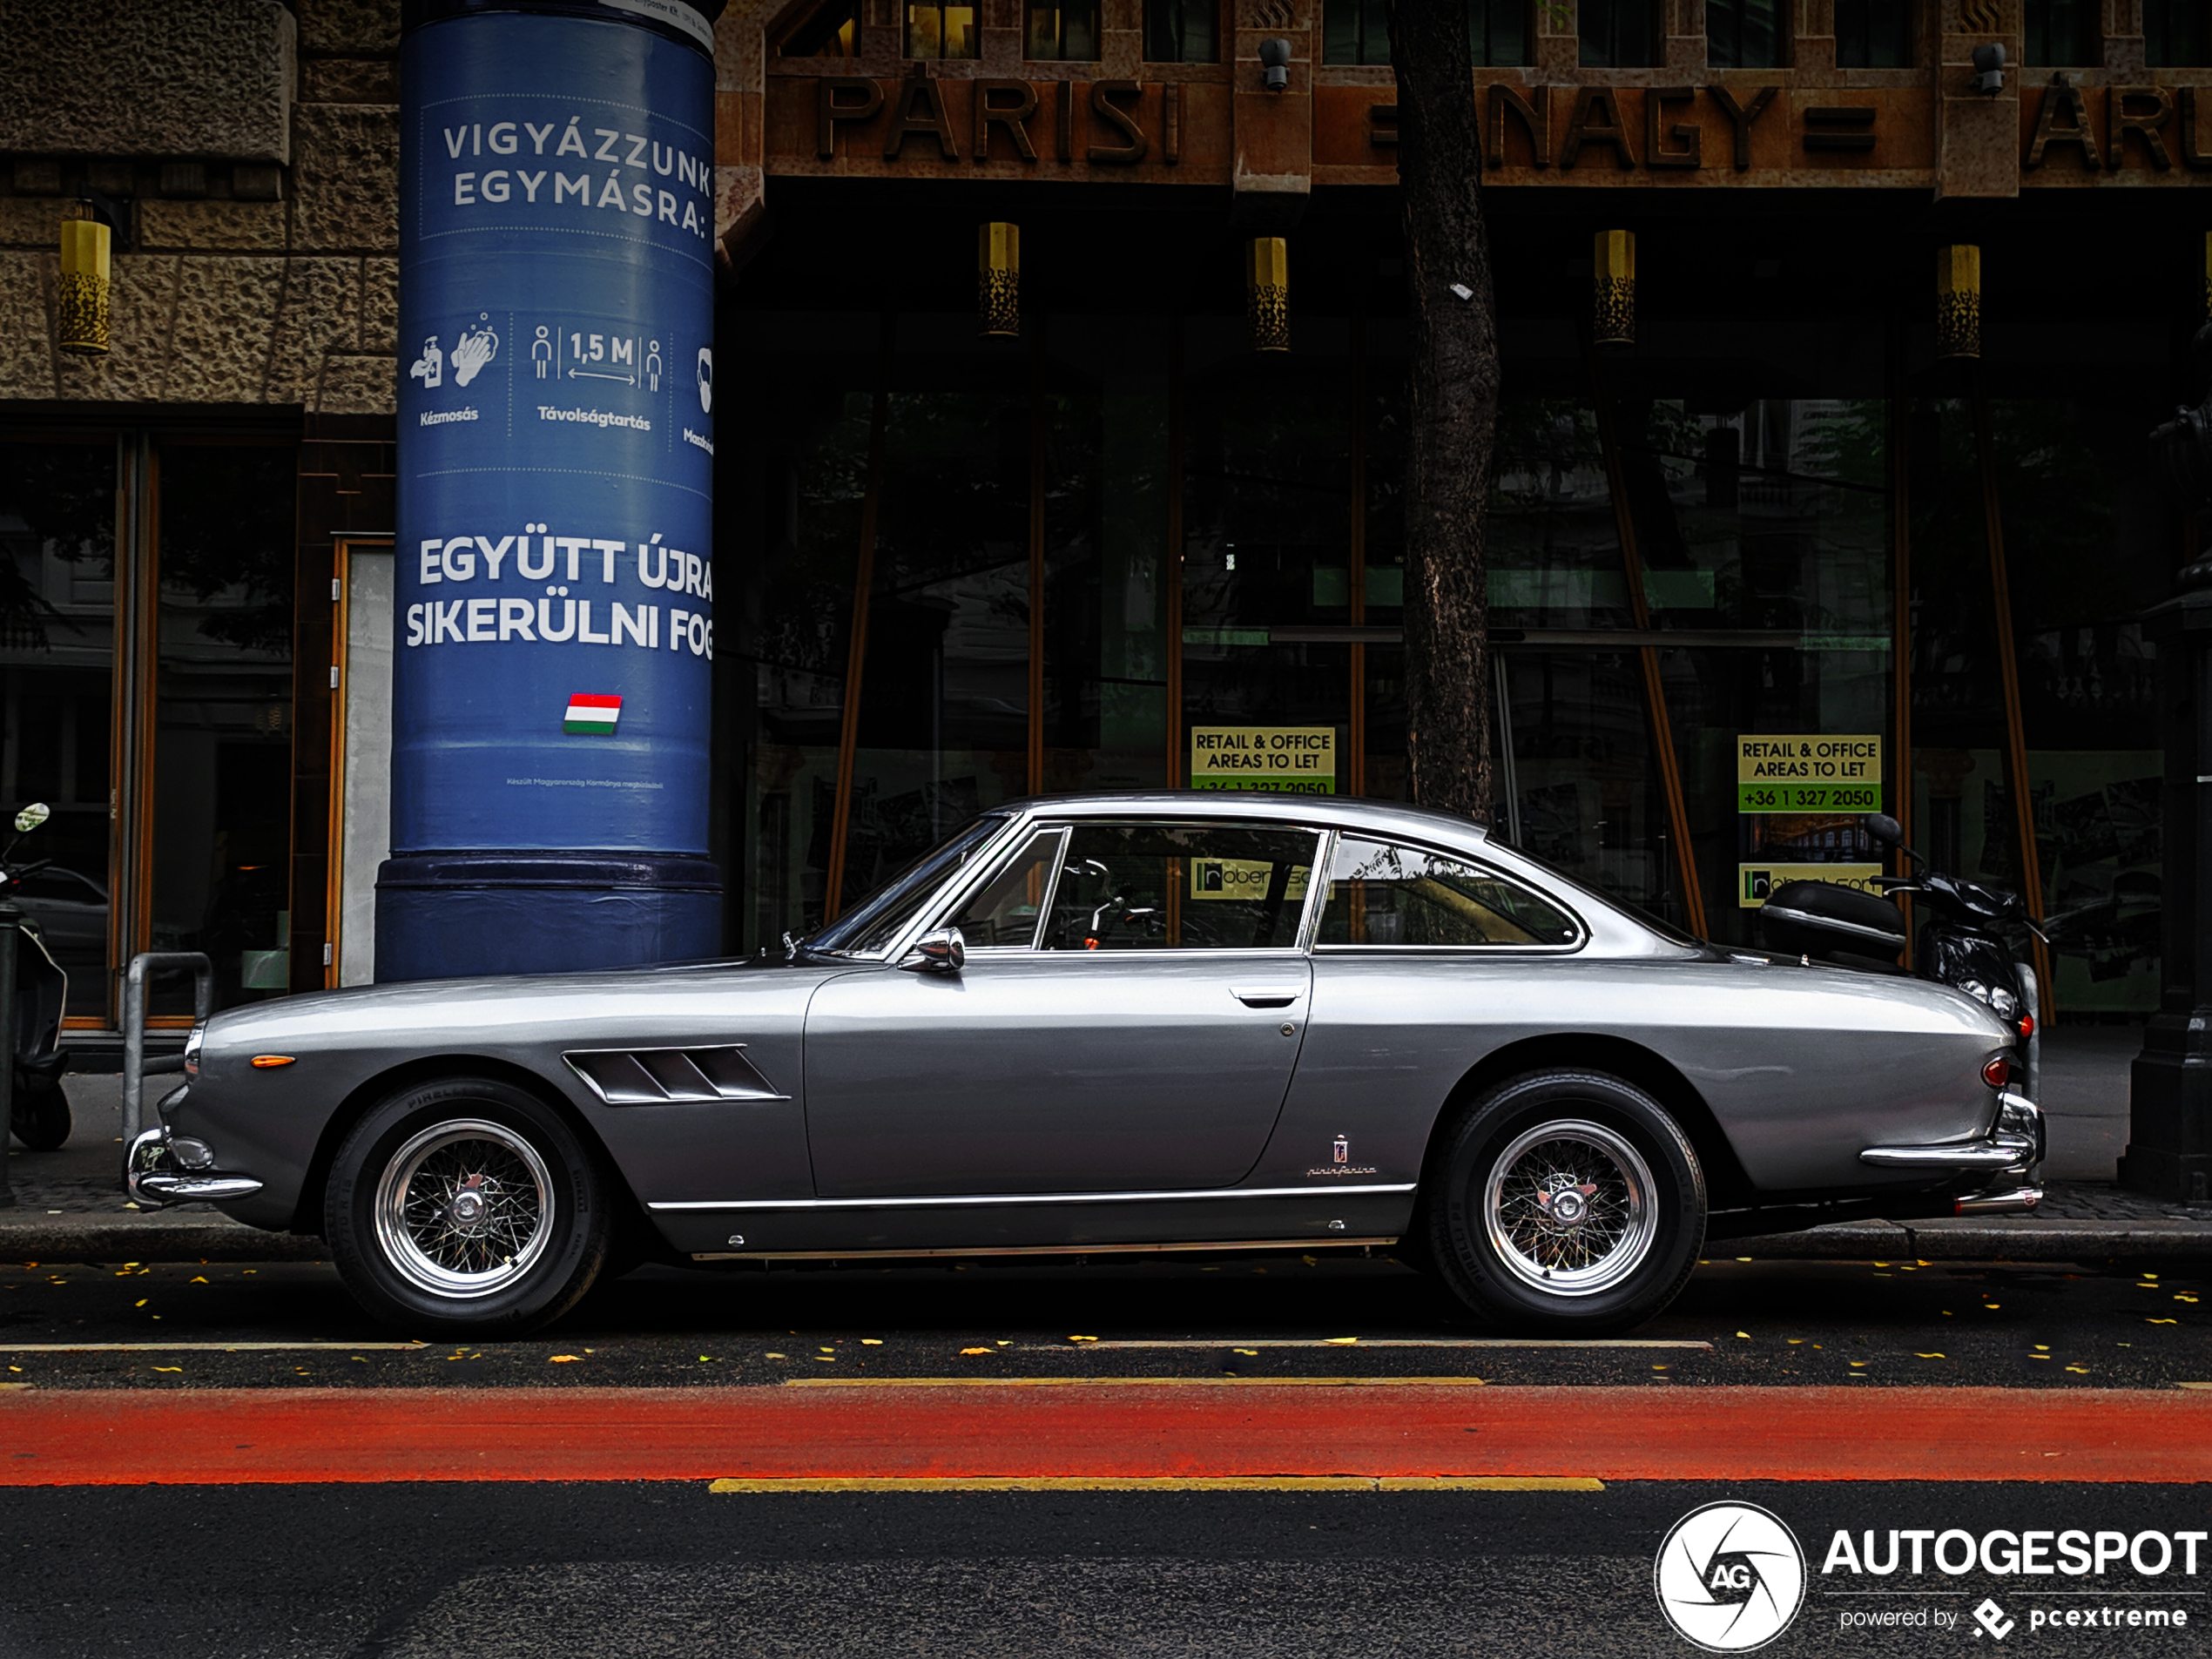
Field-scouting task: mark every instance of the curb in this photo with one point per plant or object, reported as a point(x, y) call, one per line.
point(2020, 1241)
point(204, 1237)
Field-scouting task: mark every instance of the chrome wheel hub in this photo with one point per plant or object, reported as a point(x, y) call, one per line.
point(1569, 1208)
point(464, 1209)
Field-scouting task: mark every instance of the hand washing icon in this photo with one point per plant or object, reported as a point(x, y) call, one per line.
point(472, 351)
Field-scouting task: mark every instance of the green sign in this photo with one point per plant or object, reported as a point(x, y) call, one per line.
point(1808, 797)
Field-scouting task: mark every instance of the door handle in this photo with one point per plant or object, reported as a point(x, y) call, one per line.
point(1267, 996)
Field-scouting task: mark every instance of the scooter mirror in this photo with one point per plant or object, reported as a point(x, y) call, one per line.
point(32, 816)
point(1883, 828)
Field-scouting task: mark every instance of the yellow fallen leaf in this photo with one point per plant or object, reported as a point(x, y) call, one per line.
point(1927, 1356)
point(1003, 1342)
point(2161, 1321)
point(1250, 1353)
point(168, 1367)
point(2080, 1370)
point(2041, 1347)
point(975, 1349)
point(198, 1278)
point(772, 1355)
point(707, 1359)
point(1340, 1342)
point(141, 1302)
point(870, 1342)
point(825, 1359)
point(2038, 1356)
point(564, 1359)
point(2183, 1296)
point(1082, 1338)
point(1746, 1335)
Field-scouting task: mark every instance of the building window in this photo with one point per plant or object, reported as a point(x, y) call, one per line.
point(1358, 32)
point(1873, 34)
point(2174, 33)
point(832, 31)
point(1181, 31)
point(942, 32)
point(2062, 33)
point(1619, 34)
point(1064, 32)
point(1745, 34)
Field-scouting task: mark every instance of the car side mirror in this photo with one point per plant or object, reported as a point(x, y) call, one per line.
point(944, 951)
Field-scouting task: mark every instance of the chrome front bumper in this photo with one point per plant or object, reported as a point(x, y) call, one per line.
point(2009, 1157)
point(160, 1171)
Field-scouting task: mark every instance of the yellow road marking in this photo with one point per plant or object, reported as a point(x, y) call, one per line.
point(1165, 1483)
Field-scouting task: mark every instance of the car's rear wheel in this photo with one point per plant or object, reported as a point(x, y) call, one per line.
point(1565, 1203)
point(467, 1207)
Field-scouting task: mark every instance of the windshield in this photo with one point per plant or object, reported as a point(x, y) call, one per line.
point(870, 925)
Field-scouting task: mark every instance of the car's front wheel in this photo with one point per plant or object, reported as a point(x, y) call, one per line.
point(466, 1207)
point(1565, 1203)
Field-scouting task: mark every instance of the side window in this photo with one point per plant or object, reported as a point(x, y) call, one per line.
point(1385, 893)
point(1005, 913)
point(1181, 887)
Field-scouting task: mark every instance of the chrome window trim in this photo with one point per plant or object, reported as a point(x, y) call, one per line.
point(1581, 926)
point(1042, 823)
point(1308, 918)
point(1002, 1200)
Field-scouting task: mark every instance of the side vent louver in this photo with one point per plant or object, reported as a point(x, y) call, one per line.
point(653, 1077)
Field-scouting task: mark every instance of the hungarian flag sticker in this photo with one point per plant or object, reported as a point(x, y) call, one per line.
point(592, 716)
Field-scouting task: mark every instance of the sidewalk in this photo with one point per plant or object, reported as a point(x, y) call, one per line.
point(70, 1206)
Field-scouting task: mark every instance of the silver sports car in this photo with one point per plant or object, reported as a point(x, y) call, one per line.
point(1125, 1022)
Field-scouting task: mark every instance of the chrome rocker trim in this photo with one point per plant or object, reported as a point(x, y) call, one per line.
point(1005, 1200)
point(154, 1179)
point(2012, 1154)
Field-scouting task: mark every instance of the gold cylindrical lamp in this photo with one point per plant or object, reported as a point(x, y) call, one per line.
point(1613, 289)
point(84, 287)
point(1267, 292)
point(998, 278)
point(1958, 300)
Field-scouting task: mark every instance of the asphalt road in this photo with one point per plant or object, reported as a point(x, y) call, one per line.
point(675, 1567)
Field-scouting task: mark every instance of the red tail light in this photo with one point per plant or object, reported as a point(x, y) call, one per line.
point(1998, 1072)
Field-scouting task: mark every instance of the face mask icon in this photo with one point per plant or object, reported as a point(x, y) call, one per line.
point(706, 380)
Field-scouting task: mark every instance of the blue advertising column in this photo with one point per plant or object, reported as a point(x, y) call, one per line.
point(554, 629)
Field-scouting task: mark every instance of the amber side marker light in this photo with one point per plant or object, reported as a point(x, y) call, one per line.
point(263, 1061)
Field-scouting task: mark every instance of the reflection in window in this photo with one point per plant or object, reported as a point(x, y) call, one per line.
point(1063, 33)
point(1181, 31)
point(1170, 887)
point(944, 31)
point(2174, 33)
point(883, 913)
point(1385, 894)
point(1005, 913)
point(1358, 32)
point(57, 680)
point(1873, 34)
point(832, 30)
point(222, 795)
point(2062, 32)
point(1744, 34)
point(1618, 34)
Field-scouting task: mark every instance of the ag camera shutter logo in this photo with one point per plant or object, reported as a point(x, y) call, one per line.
point(1730, 1577)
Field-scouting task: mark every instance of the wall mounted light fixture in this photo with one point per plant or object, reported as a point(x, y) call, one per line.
point(84, 282)
point(1958, 300)
point(1275, 59)
point(998, 278)
point(1613, 289)
point(1267, 292)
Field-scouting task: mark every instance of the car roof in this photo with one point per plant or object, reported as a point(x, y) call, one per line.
point(1339, 811)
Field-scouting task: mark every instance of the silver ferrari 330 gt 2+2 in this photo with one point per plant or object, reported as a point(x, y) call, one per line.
point(1125, 1022)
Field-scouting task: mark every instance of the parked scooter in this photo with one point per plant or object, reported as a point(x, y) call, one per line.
point(1966, 945)
point(41, 1118)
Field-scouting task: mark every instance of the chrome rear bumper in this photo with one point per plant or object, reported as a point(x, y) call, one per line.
point(156, 1175)
point(2010, 1156)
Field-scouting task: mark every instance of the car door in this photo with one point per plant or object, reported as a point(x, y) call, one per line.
point(1133, 1025)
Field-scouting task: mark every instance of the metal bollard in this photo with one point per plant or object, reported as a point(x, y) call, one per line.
point(136, 1067)
point(9, 915)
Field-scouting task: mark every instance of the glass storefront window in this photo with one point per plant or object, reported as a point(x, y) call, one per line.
point(57, 517)
point(1181, 31)
point(942, 32)
point(221, 825)
point(1062, 33)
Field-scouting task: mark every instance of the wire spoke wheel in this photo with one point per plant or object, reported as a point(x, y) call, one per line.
point(464, 1209)
point(1569, 1207)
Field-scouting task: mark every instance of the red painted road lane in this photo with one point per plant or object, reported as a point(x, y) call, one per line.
point(223, 1436)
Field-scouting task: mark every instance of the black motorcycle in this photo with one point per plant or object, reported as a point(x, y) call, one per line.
point(41, 1117)
point(1964, 946)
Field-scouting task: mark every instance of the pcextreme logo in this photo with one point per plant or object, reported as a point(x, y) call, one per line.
point(1730, 1577)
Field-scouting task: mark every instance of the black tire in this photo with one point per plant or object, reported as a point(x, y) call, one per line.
point(42, 1120)
point(468, 1208)
point(1589, 1142)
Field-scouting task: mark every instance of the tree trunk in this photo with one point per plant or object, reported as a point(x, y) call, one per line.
point(1449, 454)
